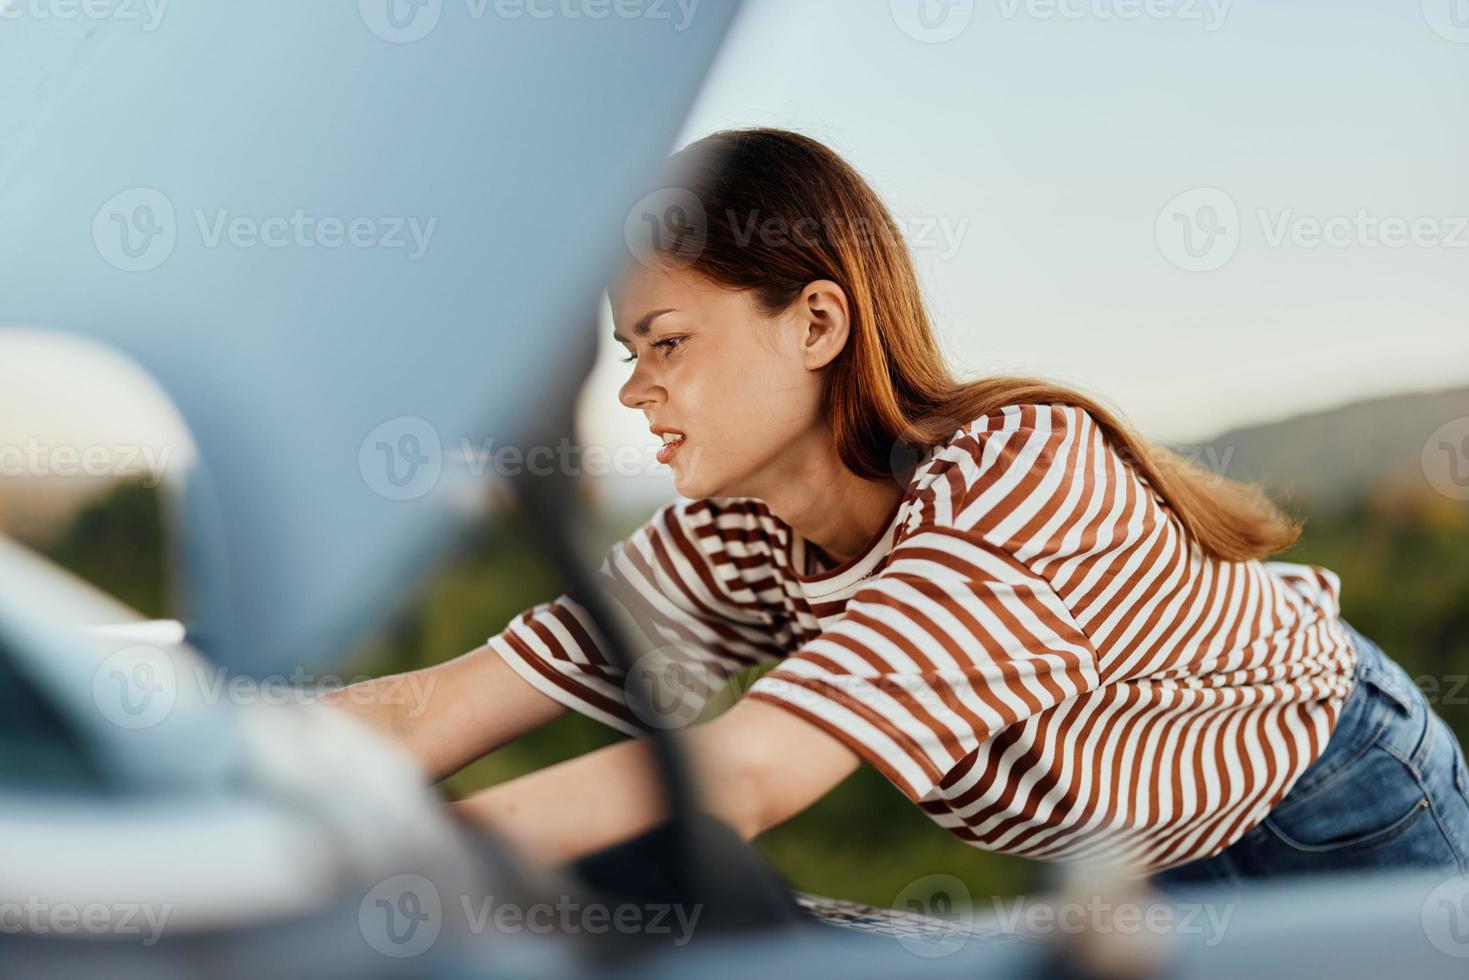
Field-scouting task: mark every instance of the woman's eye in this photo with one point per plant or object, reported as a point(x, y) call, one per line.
point(667, 345)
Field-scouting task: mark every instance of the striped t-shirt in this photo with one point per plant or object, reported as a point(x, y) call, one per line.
point(1032, 649)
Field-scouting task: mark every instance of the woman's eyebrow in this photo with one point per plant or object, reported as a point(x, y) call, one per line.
point(644, 324)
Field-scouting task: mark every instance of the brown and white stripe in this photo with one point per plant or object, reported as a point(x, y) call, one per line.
point(1032, 650)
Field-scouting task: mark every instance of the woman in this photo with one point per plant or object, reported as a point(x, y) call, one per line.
point(1057, 640)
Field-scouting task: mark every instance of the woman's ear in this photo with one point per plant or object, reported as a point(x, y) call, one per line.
point(823, 317)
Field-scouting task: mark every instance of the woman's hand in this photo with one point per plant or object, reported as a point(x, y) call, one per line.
point(450, 714)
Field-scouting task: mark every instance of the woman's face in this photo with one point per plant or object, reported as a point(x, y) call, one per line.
point(744, 389)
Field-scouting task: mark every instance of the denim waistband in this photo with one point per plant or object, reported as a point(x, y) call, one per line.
point(1376, 669)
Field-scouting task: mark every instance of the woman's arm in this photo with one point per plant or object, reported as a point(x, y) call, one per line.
point(755, 766)
point(450, 714)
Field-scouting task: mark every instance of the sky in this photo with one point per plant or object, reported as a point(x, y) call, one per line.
point(1206, 213)
point(1036, 161)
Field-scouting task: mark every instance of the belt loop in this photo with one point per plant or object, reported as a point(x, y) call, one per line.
point(1366, 663)
point(1375, 669)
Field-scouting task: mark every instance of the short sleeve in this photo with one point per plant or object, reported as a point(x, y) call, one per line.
point(677, 587)
point(953, 641)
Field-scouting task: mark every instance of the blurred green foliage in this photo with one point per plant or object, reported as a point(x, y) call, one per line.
point(116, 543)
point(1401, 555)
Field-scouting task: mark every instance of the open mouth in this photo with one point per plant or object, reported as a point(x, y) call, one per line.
point(671, 445)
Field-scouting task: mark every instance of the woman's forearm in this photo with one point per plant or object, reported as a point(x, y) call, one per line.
point(386, 704)
point(567, 810)
point(754, 767)
point(450, 714)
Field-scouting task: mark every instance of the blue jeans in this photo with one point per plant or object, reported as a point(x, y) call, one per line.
point(1391, 791)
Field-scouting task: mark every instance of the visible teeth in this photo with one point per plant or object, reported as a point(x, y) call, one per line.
point(669, 437)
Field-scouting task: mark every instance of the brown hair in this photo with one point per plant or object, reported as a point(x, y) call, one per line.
point(771, 210)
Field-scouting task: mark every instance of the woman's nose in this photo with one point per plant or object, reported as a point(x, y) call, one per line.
point(637, 391)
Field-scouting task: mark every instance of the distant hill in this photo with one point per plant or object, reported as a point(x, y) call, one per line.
point(1320, 461)
point(1327, 460)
